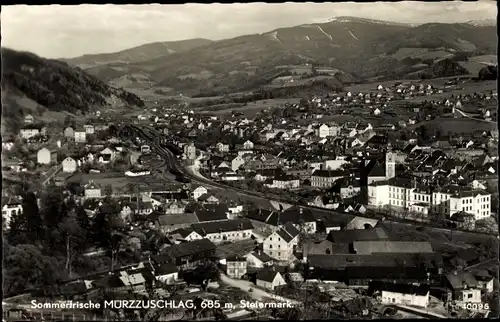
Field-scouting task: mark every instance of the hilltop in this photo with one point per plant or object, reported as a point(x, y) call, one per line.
point(31, 84)
point(139, 53)
point(358, 48)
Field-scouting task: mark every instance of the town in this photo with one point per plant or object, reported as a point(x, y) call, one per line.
point(338, 168)
point(385, 213)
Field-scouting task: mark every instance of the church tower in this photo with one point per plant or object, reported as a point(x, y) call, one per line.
point(390, 162)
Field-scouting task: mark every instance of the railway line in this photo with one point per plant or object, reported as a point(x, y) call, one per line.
point(172, 165)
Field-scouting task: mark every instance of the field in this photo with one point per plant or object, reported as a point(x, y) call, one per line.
point(252, 108)
point(468, 87)
point(422, 53)
point(117, 180)
point(457, 125)
point(490, 59)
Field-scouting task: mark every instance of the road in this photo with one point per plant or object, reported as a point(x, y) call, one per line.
point(51, 173)
point(256, 294)
point(171, 162)
point(462, 113)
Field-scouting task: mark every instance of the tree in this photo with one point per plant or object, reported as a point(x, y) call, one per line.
point(108, 190)
point(53, 207)
point(26, 267)
point(71, 233)
point(30, 218)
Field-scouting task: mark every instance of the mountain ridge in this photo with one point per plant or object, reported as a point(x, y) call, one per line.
point(49, 85)
point(138, 53)
point(357, 46)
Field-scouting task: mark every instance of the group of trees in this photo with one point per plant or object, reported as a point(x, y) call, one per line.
point(45, 243)
point(56, 85)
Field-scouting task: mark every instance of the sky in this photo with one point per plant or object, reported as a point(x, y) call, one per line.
point(56, 31)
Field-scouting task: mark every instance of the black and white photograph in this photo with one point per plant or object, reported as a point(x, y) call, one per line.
point(250, 161)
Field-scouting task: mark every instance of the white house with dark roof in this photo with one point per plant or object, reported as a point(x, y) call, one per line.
point(184, 234)
point(107, 155)
point(80, 135)
point(46, 156)
point(258, 259)
point(463, 287)
point(11, 207)
point(224, 230)
point(92, 190)
point(281, 243)
point(29, 119)
point(248, 145)
point(69, 165)
point(166, 273)
point(28, 133)
point(269, 279)
point(199, 191)
point(403, 294)
point(236, 266)
point(325, 178)
point(89, 128)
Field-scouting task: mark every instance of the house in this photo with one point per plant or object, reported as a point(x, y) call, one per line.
point(376, 112)
point(29, 119)
point(28, 133)
point(361, 223)
point(107, 155)
point(258, 259)
point(325, 178)
point(224, 230)
point(360, 270)
point(142, 207)
point(221, 147)
point(237, 162)
point(199, 191)
point(248, 145)
point(386, 246)
point(269, 279)
point(92, 190)
point(325, 247)
point(46, 156)
point(323, 131)
point(356, 235)
point(208, 199)
point(183, 235)
point(69, 132)
point(281, 244)
point(463, 287)
point(175, 207)
point(190, 151)
point(165, 273)
point(89, 129)
point(236, 266)
point(402, 294)
point(10, 208)
point(187, 255)
point(80, 135)
point(284, 182)
point(69, 165)
point(169, 223)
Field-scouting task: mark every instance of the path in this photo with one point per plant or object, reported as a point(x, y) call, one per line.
point(462, 113)
point(256, 294)
point(51, 173)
